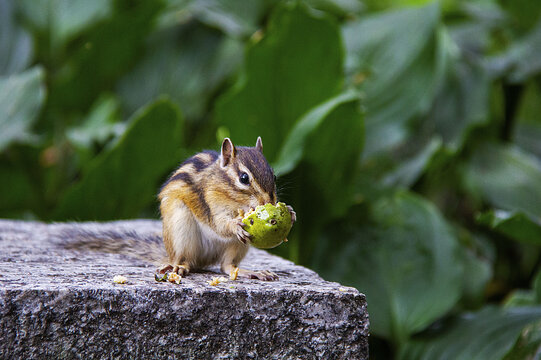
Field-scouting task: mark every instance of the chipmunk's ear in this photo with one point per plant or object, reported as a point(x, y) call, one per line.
point(259, 144)
point(228, 151)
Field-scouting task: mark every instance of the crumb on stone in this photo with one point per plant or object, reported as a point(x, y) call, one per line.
point(119, 279)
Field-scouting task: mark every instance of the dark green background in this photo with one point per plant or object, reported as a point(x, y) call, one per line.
point(406, 134)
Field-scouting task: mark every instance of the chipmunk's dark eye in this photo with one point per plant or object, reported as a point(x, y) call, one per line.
point(244, 178)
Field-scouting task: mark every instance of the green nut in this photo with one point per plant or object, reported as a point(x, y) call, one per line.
point(268, 224)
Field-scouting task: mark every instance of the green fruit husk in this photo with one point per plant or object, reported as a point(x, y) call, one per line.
point(268, 224)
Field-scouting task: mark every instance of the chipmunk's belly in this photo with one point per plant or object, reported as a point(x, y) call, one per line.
point(212, 246)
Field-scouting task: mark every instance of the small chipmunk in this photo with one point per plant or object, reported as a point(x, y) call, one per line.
point(201, 206)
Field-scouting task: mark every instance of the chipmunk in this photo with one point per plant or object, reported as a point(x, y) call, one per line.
point(202, 203)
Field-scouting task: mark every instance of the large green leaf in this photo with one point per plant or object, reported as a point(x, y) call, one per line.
point(397, 58)
point(406, 260)
point(328, 170)
point(513, 224)
point(408, 170)
point(102, 56)
point(488, 334)
point(100, 126)
point(295, 66)
point(462, 102)
point(473, 35)
point(506, 177)
point(21, 98)
point(125, 178)
point(325, 172)
point(187, 63)
point(293, 148)
point(15, 42)
point(63, 20)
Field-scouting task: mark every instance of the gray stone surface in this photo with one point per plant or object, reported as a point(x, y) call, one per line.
point(61, 303)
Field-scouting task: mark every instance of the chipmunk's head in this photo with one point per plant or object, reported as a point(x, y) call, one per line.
point(250, 173)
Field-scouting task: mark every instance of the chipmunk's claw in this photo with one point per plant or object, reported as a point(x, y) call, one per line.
point(292, 213)
point(243, 235)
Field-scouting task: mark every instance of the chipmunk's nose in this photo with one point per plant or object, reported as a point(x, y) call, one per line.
point(265, 200)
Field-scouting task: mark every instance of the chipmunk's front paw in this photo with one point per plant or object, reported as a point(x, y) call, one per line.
point(243, 235)
point(182, 270)
point(292, 213)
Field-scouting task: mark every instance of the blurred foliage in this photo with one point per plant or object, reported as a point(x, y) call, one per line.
point(406, 134)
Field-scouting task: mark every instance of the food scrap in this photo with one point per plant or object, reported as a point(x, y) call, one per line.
point(174, 278)
point(171, 277)
point(216, 280)
point(119, 279)
point(234, 274)
point(160, 277)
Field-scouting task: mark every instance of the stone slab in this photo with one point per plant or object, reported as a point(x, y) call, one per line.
point(62, 303)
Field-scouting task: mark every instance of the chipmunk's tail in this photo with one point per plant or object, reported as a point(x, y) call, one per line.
point(140, 239)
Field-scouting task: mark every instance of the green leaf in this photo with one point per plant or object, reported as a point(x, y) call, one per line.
point(461, 103)
point(15, 42)
point(293, 148)
point(124, 179)
point(522, 60)
point(21, 98)
point(524, 13)
point(473, 34)
point(527, 130)
point(329, 170)
point(520, 297)
point(236, 18)
point(376, 5)
point(513, 224)
point(294, 67)
point(186, 63)
point(477, 274)
point(100, 124)
point(341, 8)
point(63, 20)
point(487, 334)
point(527, 135)
point(528, 345)
point(506, 177)
point(102, 56)
point(397, 58)
point(310, 157)
point(405, 259)
point(408, 170)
